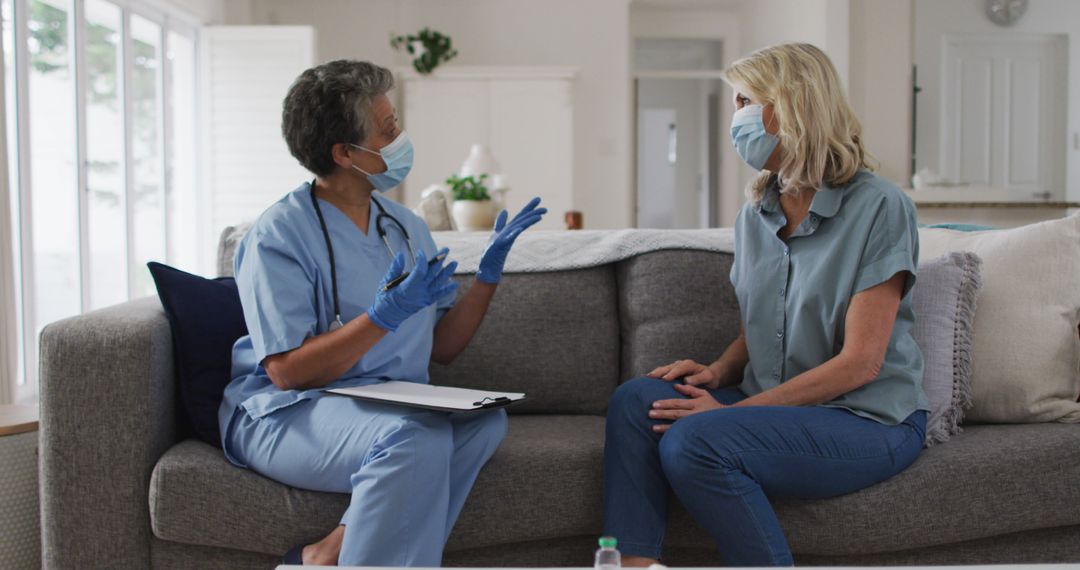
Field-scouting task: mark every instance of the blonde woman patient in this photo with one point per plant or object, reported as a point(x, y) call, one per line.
point(820, 395)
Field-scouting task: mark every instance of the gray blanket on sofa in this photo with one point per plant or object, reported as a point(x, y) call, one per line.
point(542, 251)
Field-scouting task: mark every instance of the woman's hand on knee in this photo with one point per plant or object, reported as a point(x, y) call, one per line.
point(696, 401)
point(691, 372)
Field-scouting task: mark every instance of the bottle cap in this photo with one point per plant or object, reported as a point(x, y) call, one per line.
point(608, 542)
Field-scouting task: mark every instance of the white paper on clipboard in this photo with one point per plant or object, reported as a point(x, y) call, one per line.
point(444, 398)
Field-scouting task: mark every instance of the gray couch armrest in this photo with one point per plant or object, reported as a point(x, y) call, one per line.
point(107, 415)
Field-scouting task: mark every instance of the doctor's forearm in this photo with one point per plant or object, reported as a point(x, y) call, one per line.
point(457, 327)
point(324, 358)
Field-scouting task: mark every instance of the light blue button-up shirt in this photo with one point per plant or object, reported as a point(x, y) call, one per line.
point(793, 296)
point(283, 276)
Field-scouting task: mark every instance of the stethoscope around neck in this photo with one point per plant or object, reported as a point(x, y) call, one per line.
point(379, 228)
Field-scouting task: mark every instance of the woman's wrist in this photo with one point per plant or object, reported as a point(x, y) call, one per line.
point(722, 372)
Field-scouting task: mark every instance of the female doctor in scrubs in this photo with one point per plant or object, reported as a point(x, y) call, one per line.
point(312, 274)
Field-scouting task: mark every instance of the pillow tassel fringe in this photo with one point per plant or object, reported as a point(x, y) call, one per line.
point(962, 353)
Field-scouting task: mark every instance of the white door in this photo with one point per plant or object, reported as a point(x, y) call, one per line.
point(1003, 113)
point(657, 152)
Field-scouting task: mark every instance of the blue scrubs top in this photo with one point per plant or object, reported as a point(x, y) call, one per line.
point(283, 274)
point(793, 296)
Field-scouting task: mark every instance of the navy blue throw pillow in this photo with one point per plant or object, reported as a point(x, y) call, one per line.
point(206, 319)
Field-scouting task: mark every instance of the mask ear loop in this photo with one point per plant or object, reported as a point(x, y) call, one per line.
point(772, 120)
point(361, 170)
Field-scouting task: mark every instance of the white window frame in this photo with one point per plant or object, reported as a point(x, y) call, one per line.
point(169, 18)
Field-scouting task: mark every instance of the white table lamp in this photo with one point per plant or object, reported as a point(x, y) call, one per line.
point(480, 161)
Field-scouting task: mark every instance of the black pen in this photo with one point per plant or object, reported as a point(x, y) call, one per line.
point(397, 280)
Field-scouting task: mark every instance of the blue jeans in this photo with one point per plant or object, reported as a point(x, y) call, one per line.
point(724, 464)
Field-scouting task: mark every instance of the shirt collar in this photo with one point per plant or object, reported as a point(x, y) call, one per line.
point(770, 197)
point(826, 202)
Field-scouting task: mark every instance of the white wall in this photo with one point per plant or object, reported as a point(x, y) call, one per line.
point(592, 36)
point(935, 18)
point(880, 82)
point(823, 23)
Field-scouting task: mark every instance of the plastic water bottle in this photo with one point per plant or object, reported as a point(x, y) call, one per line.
point(607, 557)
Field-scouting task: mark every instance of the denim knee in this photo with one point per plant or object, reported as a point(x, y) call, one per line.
point(638, 394)
point(684, 447)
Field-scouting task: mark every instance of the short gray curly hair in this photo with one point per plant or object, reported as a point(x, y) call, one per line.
point(328, 104)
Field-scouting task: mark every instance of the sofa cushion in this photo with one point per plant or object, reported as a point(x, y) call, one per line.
point(227, 243)
point(206, 318)
point(545, 482)
point(1027, 357)
point(675, 305)
point(944, 302)
point(554, 336)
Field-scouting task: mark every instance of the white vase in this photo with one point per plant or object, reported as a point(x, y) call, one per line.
point(474, 215)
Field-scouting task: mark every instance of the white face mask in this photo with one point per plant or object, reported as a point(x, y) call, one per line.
point(753, 143)
point(398, 156)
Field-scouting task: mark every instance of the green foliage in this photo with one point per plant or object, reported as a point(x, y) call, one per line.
point(51, 53)
point(102, 65)
point(468, 188)
point(48, 38)
point(436, 49)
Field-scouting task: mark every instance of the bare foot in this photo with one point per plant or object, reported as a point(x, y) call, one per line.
point(326, 551)
point(638, 561)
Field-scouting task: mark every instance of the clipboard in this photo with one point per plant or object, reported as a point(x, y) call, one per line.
point(442, 398)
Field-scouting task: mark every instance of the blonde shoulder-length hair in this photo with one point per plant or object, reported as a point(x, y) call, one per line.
point(820, 137)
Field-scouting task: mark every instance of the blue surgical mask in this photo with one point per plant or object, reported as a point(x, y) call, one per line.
point(753, 143)
point(398, 156)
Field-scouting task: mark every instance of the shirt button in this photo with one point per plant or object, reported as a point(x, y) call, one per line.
point(786, 251)
point(781, 292)
point(779, 334)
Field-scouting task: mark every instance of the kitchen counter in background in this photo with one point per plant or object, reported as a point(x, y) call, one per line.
point(985, 206)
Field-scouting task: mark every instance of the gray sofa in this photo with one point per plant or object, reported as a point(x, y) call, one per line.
point(120, 491)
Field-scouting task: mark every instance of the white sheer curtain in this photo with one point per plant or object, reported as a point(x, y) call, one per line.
point(7, 271)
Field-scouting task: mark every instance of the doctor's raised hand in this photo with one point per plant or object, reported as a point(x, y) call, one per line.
point(425, 285)
point(502, 239)
point(455, 329)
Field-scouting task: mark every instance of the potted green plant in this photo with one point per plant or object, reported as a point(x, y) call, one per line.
point(473, 208)
point(428, 49)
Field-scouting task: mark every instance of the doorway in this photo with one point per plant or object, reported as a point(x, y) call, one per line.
point(678, 96)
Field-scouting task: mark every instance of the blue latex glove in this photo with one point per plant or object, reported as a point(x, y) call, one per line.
point(498, 247)
point(425, 285)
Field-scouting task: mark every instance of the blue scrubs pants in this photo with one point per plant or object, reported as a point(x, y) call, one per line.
point(723, 464)
point(409, 470)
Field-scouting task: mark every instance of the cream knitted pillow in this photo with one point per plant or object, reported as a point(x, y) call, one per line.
point(1026, 350)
